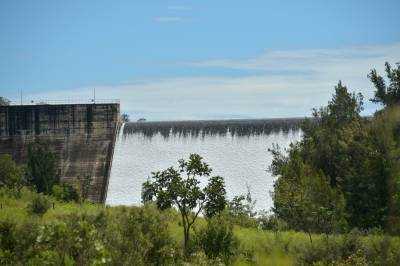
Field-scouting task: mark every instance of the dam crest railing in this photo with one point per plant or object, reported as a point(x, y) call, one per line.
point(65, 101)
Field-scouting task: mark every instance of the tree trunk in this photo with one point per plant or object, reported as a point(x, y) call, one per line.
point(186, 241)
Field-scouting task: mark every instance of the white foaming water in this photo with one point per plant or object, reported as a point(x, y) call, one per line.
point(240, 160)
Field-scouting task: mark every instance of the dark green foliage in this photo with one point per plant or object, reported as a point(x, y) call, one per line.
point(386, 94)
point(66, 192)
point(358, 157)
point(7, 235)
point(270, 221)
point(12, 176)
point(85, 184)
point(181, 189)
point(4, 101)
point(217, 239)
point(142, 238)
point(216, 193)
point(214, 127)
point(39, 205)
point(346, 157)
point(125, 118)
point(139, 236)
point(42, 168)
point(305, 200)
point(241, 210)
point(385, 136)
point(327, 251)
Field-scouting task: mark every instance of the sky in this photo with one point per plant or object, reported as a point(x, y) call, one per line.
point(179, 60)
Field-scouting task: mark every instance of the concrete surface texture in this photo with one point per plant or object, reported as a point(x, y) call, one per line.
point(81, 135)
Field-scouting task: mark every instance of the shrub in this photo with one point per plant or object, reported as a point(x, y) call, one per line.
point(48, 257)
point(39, 205)
point(217, 239)
point(7, 235)
point(11, 175)
point(269, 221)
point(66, 192)
point(140, 236)
point(42, 168)
point(241, 210)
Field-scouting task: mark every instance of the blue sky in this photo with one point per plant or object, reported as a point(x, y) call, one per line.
point(196, 59)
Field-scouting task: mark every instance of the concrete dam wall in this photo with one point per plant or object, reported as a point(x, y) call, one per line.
point(81, 135)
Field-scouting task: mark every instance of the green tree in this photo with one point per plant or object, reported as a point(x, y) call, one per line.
point(39, 205)
point(357, 156)
point(305, 200)
point(216, 196)
point(125, 118)
point(241, 210)
point(4, 101)
point(66, 192)
point(42, 168)
point(386, 94)
point(85, 186)
point(181, 188)
point(325, 136)
point(12, 176)
point(217, 239)
point(337, 144)
point(384, 134)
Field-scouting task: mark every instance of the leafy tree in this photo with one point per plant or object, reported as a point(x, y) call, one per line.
point(217, 239)
point(42, 168)
point(4, 101)
point(125, 118)
point(337, 146)
point(359, 157)
point(85, 186)
point(384, 134)
point(305, 200)
point(66, 192)
point(181, 188)
point(39, 205)
point(324, 136)
point(216, 196)
point(241, 209)
point(12, 176)
point(386, 94)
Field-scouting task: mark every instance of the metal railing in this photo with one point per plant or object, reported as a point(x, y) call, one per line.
point(65, 101)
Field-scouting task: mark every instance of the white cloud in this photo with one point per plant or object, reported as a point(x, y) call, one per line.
point(285, 84)
point(169, 19)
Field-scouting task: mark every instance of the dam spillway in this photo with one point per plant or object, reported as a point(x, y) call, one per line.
point(235, 149)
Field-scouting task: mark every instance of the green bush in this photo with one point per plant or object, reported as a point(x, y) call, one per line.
point(7, 235)
point(12, 176)
point(142, 238)
point(217, 240)
point(42, 168)
point(66, 192)
point(269, 221)
point(39, 205)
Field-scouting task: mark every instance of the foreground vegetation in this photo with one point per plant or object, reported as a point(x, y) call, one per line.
point(90, 234)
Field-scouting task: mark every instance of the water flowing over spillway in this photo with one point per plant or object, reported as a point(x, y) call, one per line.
point(238, 152)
